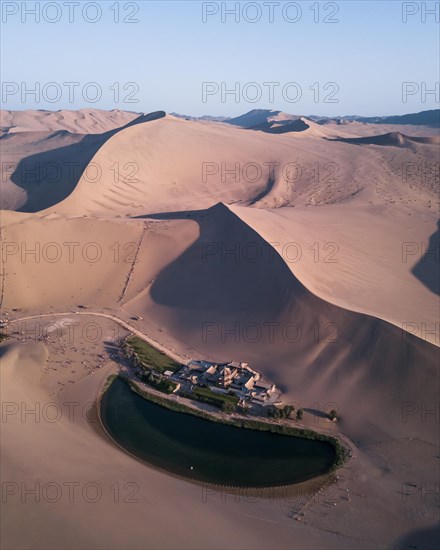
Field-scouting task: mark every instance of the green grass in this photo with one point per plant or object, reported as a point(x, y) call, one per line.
point(108, 382)
point(150, 357)
point(165, 386)
point(206, 395)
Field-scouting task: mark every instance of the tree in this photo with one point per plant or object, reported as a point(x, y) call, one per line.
point(333, 415)
point(287, 410)
point(299, 414)
point(273, 412)
point(228, 407)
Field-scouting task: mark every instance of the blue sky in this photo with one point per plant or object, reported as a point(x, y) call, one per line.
point(357, 64)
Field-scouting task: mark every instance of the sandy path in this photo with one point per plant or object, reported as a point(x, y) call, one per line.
point(117, 320)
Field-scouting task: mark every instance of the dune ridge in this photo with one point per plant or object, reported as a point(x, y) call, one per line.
point(199, 259)
point(83, 121)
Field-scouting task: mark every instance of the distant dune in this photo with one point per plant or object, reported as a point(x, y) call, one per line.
point(394, 139)
point(84, 121)
point(272, 127)
point(429, 119)
point(255, 117)
point(274, 122)
point(268, 239)
point(40, 168)
point(425, 118)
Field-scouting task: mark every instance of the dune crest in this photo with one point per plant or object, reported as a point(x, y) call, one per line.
point(392, 139)
point(310, 259)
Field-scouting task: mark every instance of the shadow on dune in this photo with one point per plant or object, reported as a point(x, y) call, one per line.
point(422, 539)
point(177, 215)
point(50, 176)
point(269, 186)
point(392, 139)
point(230, 285)
point(284, 127)
point(315, 412)
point(427, 270)
point(206, 266)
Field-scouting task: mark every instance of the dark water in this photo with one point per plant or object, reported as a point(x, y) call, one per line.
point(218, 453)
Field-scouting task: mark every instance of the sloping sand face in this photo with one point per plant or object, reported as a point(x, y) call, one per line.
point(219, 263)
point(207, 297)
point(43, 162)
point(84, 121)
point(379, 266)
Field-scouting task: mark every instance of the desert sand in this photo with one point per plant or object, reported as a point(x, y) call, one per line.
point(302, 252)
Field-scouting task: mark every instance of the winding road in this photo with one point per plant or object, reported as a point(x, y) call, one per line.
point(115, 319)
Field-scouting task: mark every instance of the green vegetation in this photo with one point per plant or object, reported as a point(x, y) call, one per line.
point(108, 382)
point(227, 403)
point(299, 414)
point(275, 412)
point(228, 407)
point(148, 357)
point(158, 382)
point(172, 405)
point(333, 415)
point(3, 336)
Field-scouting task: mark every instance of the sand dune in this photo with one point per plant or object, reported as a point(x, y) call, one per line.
point(175, 228)
point(259, 116)
point(172, 164)
point(394, 139)
point(197, 288)
point(41, 168)
point(321, 355)
point(169, 156)
point(167, 164)
point(101, 253)
point(378, 267)
point(84, 121)
point(282, 128)
point(276, 122)
point(205, 293)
